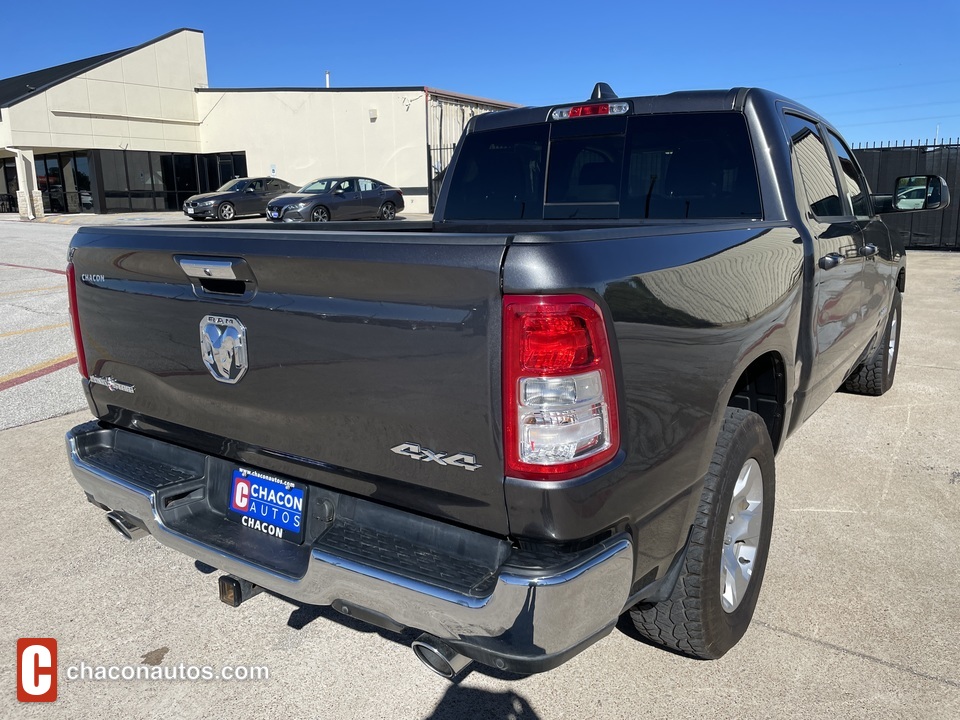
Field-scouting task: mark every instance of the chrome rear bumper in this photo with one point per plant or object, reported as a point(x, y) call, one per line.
point(523, 620)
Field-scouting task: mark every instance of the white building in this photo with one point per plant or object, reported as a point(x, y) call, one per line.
point(139, 129)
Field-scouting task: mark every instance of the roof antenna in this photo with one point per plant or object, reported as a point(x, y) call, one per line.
point(602, 91)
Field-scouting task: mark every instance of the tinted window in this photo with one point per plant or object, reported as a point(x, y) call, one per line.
point(318, 186)
point(819, 182)
point(695, 165)
point(585, 170)
point(851, 178)
point(499, 175)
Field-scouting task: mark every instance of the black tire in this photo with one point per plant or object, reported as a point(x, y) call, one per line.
point(388, 211)
point(696, 621)
point(226, 211)
point(320, 214)
point(876, 376)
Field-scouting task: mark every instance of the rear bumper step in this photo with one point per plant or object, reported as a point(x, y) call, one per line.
point(456, 585)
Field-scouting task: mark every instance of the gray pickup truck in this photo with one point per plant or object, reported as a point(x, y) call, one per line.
point(499, 431)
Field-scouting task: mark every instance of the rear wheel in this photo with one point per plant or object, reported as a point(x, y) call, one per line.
point(226, 211)
point(320, 214)
point(875, 376)
point(388, 211)
point(713, 601)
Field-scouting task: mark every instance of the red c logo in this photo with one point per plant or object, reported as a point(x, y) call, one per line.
point(241, 495)
point(36, 669)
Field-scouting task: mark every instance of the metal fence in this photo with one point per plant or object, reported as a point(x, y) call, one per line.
point(932, 229)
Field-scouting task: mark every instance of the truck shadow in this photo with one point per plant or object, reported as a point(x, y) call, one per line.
point(303, 615)
point(460, 702)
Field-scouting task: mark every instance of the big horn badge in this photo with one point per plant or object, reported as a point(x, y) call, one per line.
point(223, 346)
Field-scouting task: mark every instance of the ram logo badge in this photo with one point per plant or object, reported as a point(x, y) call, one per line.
point(460, 460)
point(223, 347)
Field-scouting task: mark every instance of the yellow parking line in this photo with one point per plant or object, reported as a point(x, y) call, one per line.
point(33, 330)
point(35, 368)
point(35, 290)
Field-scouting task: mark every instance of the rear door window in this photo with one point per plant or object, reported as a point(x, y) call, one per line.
point(852, 179)
point(819, 181)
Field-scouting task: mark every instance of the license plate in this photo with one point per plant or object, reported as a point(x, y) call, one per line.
point(189, 211)
point(274, 214)
point(267, 505)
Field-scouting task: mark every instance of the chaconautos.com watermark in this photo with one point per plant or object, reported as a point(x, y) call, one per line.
point(38, 671)
point(241, 673)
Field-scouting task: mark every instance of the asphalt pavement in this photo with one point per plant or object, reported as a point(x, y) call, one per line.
point(858, 616)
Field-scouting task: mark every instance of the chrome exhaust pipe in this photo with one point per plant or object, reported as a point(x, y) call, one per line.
point(439, 657)
point(126, 526)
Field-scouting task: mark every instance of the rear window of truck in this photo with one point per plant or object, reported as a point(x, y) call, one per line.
point(679, 166)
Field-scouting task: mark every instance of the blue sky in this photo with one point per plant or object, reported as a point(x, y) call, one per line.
point(880, 70)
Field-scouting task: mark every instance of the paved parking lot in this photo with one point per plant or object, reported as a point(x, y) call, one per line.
point(858, 617)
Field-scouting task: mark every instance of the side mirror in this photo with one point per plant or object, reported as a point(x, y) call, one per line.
point(918, 192)
point(250, 190)
point(338, 191)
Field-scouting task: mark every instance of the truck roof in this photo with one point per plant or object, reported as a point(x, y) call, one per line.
point(733, 99)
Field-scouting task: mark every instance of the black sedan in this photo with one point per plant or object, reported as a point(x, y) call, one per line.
point(337, 198)
point(240, 196)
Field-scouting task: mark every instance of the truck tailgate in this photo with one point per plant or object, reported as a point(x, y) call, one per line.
point(371, 360)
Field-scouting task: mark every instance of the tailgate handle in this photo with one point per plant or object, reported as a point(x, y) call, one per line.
point(219, 276)
point(200, 268)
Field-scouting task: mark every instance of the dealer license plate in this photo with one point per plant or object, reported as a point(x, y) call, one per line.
point(274, 214)
point(189, 211)
point(267, 505)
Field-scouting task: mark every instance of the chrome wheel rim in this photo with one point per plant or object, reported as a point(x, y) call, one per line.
point(892, 342)
point(388, 212)
point(226, 212)
point(320, 215)
point(741, 537)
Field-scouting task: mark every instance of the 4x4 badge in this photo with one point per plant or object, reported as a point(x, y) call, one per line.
point(460, 460)
point(223, 347)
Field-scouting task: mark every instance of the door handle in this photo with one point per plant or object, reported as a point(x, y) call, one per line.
point(869, 250)
point(831, 260)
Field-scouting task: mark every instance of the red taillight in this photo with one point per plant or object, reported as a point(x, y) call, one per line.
point(554, 342)
point(75, 319)
point(559, 397)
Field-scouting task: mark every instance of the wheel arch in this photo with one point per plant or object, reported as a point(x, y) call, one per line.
point(762, 388)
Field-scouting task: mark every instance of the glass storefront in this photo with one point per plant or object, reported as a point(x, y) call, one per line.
point(8, 185)
point(63, 180)
point(125, 180)
point(147, 181)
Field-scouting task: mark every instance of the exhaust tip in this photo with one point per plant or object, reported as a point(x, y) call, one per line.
point(127, 527)
point(439, 657)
